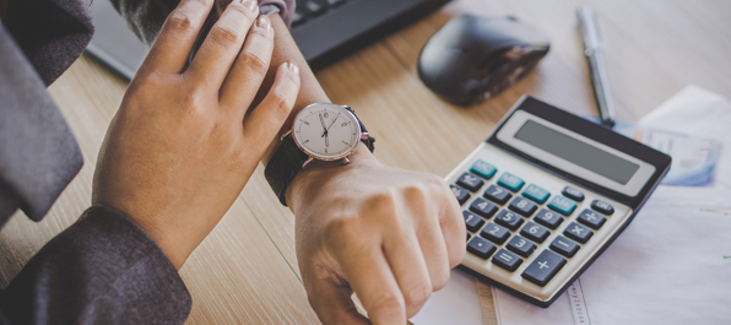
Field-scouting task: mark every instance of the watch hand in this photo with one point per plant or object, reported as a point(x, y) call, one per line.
point(327, 140)
point(333, 122)
point(322, 121)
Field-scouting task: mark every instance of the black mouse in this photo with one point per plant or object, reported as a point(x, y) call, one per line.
point(473, 58)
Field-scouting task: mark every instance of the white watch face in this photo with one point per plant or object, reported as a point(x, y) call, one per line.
point(326, 131)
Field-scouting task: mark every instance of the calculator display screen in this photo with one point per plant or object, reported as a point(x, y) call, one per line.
point(578, 152)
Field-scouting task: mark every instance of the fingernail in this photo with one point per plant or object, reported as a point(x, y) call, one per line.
point(251, 4)
point(263, 22)
point(293, 67)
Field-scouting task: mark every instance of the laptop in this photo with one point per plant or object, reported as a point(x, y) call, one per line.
point(324, 30)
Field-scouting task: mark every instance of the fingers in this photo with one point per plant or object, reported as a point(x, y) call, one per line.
point(434, 249)
point(172, 46)
point(332, 303)
point(223, 43)
point(250, 68)
point(409, 268)
point(264, 122)
point(452, 226)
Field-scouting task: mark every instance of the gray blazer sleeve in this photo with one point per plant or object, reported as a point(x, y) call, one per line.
point(104, 269)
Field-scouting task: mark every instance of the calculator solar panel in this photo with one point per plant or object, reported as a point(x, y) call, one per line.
point(545, 195)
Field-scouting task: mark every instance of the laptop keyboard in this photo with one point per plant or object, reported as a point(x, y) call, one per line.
point(308, 9)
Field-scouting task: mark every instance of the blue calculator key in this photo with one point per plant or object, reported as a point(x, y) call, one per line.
point(548, 218)
point(563, 205)
point(602, 207)
point(578, 232)
point(483, 208)
point(591, 219)
point(535, 232)
point(521, 246)
point(472, 221)
point(536, 193)
point(470, 181)
point(564, 246)
point(496, 233)
point(509, 219)
point(544, 268)
point(480, 247)
point(497, 194)
point(461, 194)
point(573, 193)
point(507, 260)
point(511, 182)
point(483, 169)
point(523, 206)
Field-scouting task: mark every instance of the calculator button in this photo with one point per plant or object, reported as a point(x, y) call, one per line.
point(548, 218)
point(511, 182)
point(573, 193)
point(483, 207)
point(535, 232)
point(468, 235)
point(578, 232)
point(483, 169)
point(472, 221)
point(536, 193)
point(461, 194)
point(509, 219)
point(480, 247)
point(564, 246)
point(602, 207)
point(544, 267)
point(591, 219)
point(563, 205)
point(521, 246)
point(496, 233)
point(470, 181)
point(507, 260)
point(523, 206)
point(497, 194)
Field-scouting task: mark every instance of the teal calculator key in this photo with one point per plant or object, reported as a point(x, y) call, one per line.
point(562, 205)
point(536, 193)
point(480, 167)
point(511, 182)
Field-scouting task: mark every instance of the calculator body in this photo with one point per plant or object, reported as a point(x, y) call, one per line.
point(545, 195)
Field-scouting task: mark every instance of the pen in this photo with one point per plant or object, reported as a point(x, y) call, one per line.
point(593, 53)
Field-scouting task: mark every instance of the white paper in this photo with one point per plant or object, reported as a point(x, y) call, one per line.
point(457, 303)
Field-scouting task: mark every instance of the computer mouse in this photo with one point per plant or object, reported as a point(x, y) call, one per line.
point(473, 58)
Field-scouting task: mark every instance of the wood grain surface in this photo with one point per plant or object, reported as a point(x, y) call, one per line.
point(246, 271)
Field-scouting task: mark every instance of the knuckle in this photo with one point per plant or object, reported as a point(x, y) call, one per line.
point(239, 8)
point(388, 305)
point(338, 230)
point(418, 294)
point(225, 36)
point(282, 106)
point(254, 63)
point(440, 279)
point(180, 22)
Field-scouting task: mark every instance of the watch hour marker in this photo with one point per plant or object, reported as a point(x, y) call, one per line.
point(306, 141)
point(345, 143)
point(305, 122)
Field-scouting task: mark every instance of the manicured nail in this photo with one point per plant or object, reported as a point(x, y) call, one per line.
point(293, 67)
point(251, 4)
point(263, 22)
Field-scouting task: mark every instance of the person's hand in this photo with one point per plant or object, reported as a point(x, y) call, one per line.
point(389, 235)
point(183, 143)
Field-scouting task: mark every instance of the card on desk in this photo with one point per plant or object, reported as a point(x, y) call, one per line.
point(545, 195)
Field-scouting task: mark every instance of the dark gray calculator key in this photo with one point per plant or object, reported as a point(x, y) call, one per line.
point(483, 207)
point(470, 181)
point(480, 247)
point(496, 233)
point(548, 218)
point(509, 219)
point(461, 194)
point(497, 194)
point(602, 207)
point(506, 260)
point(564, 246)
point(523, 206)
point(535, 232)
point(578, 232)
point(521, 246)
point(468, 235)
point(573, 193)
point(472, 221)
point(591, 219)
point(544, 268)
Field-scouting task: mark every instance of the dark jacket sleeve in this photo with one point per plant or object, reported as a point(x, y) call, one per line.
point(145, 17)
point(104, 269)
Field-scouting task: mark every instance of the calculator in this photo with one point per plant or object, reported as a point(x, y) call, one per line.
point(545, 195)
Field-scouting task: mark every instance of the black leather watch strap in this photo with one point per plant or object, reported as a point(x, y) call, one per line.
point(288, 160)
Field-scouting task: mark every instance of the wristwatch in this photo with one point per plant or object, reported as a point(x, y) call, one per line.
point(321, 131)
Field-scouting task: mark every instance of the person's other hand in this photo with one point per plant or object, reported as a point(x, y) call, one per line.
point(389, 235)
point(183, 143)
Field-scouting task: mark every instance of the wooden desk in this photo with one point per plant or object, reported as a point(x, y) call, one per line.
point(246, 272)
